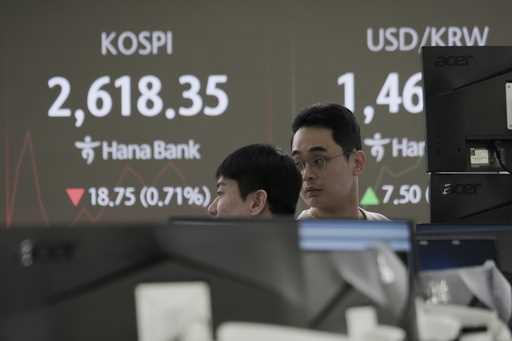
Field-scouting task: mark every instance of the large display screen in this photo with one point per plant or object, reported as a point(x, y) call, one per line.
point(121, 110)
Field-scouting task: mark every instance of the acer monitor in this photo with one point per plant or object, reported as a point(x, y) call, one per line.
point(470, 198)
point(83, 283)
point(468, 107)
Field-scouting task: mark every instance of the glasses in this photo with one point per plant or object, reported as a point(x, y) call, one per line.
point(318, 163)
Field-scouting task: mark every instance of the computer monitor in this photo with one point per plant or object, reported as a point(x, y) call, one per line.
point(262, 252)
point(468, 107)
point(344, 269)
point(470, 198)
point(446, 247)
point(442, 246)
point(458, 255)
point(83, 283)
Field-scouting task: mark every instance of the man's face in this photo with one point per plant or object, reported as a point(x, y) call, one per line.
point(228, 202)
point(329, 179)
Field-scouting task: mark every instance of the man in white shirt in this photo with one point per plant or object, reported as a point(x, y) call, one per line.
point(326, 147)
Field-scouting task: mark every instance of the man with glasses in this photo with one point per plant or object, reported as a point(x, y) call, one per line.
point(326, 147)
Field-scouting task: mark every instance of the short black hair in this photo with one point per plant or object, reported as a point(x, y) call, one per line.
point(263, 166)
point(339, 119)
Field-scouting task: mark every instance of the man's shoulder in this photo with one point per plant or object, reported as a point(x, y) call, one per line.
point(307, 213)
point(374, 216)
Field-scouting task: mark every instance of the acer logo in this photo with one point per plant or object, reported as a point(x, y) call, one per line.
point(452, 189)
point(452, 61)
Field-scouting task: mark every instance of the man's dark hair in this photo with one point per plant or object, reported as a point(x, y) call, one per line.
point(262, 166)
point(340, 120)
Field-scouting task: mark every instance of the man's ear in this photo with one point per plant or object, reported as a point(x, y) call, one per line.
point(257, 202)
point(359, 162)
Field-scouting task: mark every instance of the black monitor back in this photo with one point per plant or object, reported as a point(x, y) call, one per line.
point(78, 283)
point(466, 107)
point(471, 198)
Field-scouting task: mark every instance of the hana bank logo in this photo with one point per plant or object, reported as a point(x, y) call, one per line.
point(87, 148)
point(156, 150)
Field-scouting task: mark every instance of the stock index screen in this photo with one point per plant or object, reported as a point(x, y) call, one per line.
point(120, 111)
